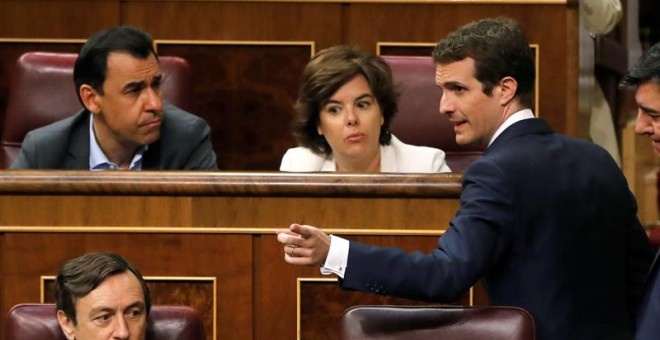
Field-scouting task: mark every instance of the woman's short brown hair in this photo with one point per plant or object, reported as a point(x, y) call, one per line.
point(329, 70)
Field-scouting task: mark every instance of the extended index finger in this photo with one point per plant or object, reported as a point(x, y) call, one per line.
point(306, 231)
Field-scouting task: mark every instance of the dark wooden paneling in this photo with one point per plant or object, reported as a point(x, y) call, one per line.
point(72, 19)
point(221, 225)
point(320, 304)
point(250, 21)
point(246, 92)
point(228, 258)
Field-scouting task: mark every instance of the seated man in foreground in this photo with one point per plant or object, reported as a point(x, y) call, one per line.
point(102, 296)
point(124, 124)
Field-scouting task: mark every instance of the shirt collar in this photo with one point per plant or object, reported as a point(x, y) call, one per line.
point(514, 118)
point(99, 161)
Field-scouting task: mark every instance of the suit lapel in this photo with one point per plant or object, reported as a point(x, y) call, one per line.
point(150, 158)
point(78, 153)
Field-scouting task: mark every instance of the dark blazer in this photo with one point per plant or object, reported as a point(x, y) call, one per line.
point(550, 225)
point(184, 144)
point(648, 320)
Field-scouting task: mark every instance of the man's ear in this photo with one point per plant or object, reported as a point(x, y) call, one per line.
point(508, 89)
point(66, 324)
point(90, 98)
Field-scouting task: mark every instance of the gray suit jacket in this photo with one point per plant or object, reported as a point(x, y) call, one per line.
point(184, 144)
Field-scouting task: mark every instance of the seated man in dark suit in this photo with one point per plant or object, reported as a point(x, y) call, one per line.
point(644, 77)
point(102, 296)
point(546, 221)
point(124, 124)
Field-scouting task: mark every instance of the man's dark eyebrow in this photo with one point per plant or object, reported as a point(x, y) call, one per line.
point(135, 85)
point(649, 110)
point(137, 304)
point(138, 85)
point(101, 309)
point(453, 85)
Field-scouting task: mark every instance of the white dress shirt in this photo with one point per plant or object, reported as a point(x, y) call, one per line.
point(99, 161)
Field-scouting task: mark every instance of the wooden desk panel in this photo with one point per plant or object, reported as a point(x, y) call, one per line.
point(217, 225)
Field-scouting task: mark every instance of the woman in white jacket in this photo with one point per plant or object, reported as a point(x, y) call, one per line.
point(344, 109)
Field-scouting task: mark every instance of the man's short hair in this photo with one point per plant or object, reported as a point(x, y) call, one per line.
point(79, 276)
point(645, 69)
point(92, 62)
point(499, 49)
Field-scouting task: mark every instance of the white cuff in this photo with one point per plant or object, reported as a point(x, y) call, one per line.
point(337, 258)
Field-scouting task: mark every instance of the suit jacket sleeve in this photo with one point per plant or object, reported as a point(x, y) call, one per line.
point(202, 156)
point(476, 239)
point(27, 155)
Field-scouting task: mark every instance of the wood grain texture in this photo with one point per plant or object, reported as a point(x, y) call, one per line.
point(228, 258)
point(219, 225)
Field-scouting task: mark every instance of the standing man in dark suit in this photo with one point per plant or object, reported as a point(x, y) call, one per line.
point(546, 221)
point(644, 76)
point(124, 124)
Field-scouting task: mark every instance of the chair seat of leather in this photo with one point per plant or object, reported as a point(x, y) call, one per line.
point(437, 322)
point(42, 92)
point(39, 321)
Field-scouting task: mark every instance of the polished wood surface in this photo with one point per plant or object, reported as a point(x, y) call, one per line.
point(212, 235)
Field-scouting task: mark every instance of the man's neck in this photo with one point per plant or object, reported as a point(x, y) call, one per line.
point(117, 153)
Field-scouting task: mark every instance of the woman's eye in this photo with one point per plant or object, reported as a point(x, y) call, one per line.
point(364, 104)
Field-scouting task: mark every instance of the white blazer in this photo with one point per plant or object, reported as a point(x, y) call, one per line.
point(395, 157)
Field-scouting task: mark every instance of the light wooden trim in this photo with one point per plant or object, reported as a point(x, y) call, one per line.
point(537, 60)
point(212, 279)
point(310, 44)
point(42, 41)
point(211, 230)
point(220, 183)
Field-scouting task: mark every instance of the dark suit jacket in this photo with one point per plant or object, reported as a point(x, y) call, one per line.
point(648, 320)
point(184, 144)
point(549, 224)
